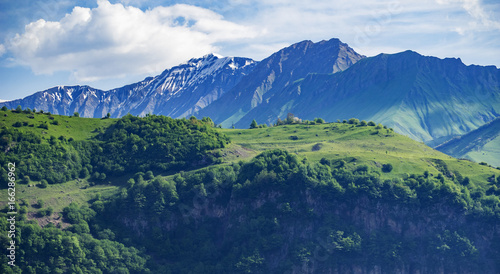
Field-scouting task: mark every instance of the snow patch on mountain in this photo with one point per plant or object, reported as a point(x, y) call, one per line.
point(178, 91)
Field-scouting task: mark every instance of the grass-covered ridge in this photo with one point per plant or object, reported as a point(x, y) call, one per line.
point(354, 144)
point(52, 153)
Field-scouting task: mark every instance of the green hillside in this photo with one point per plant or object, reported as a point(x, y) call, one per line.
point(480, 145)
point(356, 145)
point(425, 98)
point(181, 196)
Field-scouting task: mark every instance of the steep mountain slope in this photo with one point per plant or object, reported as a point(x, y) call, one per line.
point(480, 145)
point(63, 100)
point(425, 98)
point(277, 72)
point(177, 92)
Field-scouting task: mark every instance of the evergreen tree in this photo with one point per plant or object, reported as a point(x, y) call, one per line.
point(254, 124)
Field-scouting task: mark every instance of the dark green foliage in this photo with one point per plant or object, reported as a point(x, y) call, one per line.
point(51, 162)
point(353, 121)
point(131, 144)
point(275, 214)
point(43, 125)
point(387, 168)
point(319, 120)
point(317, 147)
point(253, 124)
point(43, 184)
point(45, 212)
point(324, 161)
point(154, 143)
point(40, 203)
point(208, 121)
point(50, 250)
point(214, 221)
point(4, 108)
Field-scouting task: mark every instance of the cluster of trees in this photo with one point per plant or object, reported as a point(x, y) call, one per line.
point(276, 213)
point(237, 218)
point(130, 145)
point(209, 220)
point(291, 119)
point(53, 161)
point(52, 250)
point(154, 142)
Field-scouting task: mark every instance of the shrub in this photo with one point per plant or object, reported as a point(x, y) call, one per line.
point(254, 124)
point(371, 123)
point(319, 120)
point(40, 203)
point(387, 168)
point(44, 126)
point(43, 184)
point(353, 121)
point(362, 169)
point(317, 147)
point(325, 162)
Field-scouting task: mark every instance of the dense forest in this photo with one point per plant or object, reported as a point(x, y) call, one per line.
point(132, 144)
point(181, 209)
point(274, 214)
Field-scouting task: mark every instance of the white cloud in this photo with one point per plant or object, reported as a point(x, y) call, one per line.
point(371, 27)
point(117, 40)
point(2, 50)
point(113, 40)
point(481, 20)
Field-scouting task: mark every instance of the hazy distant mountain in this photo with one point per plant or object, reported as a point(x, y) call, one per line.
point(177, 92)
point(482, 144)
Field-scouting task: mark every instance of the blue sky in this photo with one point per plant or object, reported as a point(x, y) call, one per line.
point(111, 43)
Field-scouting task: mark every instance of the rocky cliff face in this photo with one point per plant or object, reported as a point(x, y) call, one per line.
point(319, 230)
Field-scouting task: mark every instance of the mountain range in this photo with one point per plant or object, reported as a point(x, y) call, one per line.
point(482, 144)
point(426, 98)
point(177, 92)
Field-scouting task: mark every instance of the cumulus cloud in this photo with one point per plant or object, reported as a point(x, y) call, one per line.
point(113, 40)
point(481, 19)
point(2, 50)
